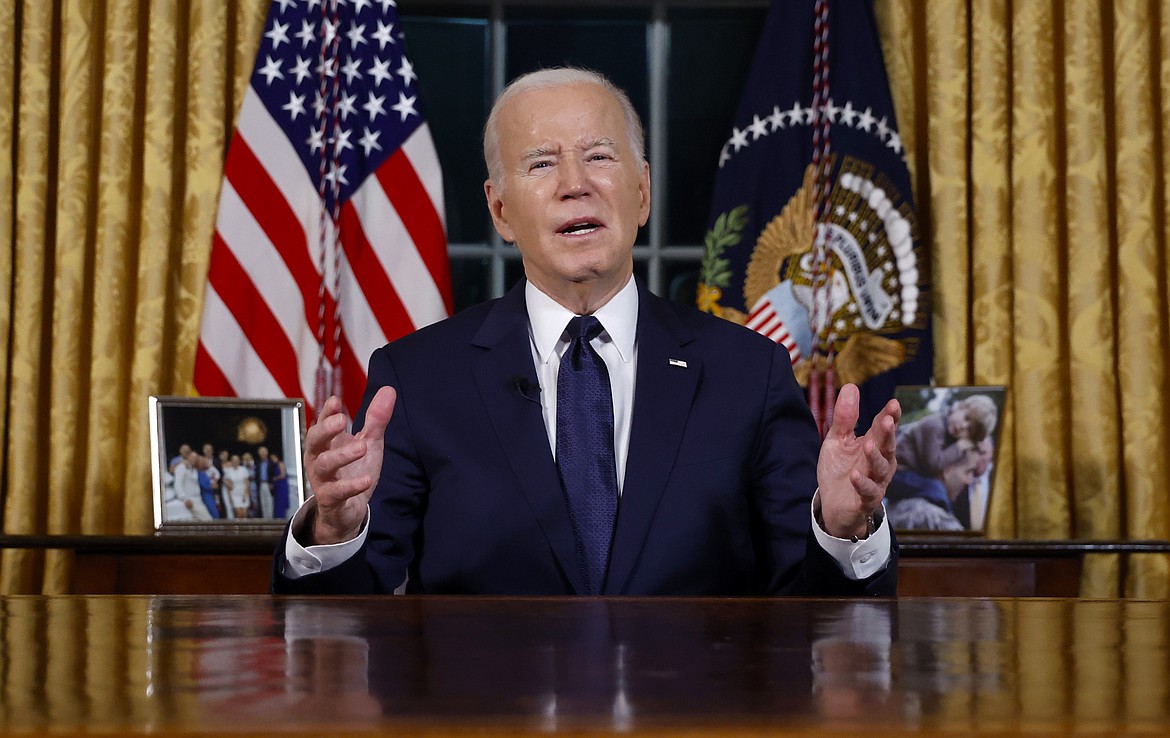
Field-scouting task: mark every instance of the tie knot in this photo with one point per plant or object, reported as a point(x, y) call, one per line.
point(585, 327)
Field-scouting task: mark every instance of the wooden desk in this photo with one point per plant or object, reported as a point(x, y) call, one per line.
point(242, 563)
point(261, 665)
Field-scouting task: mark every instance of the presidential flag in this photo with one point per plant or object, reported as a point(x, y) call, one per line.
point(330, 238)
point(812, 237)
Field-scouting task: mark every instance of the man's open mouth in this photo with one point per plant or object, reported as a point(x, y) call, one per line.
point(578, 227)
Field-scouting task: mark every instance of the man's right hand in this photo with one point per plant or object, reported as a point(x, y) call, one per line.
point(343, 469)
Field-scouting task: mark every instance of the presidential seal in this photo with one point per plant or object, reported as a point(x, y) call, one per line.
point(869, 294)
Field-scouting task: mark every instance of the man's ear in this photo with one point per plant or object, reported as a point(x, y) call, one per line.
point(495, 203)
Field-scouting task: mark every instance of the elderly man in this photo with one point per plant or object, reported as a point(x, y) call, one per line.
point(580, 435)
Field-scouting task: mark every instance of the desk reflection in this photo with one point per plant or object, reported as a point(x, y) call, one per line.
point(234, 665)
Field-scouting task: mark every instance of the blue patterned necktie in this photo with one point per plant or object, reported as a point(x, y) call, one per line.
point(585, 455)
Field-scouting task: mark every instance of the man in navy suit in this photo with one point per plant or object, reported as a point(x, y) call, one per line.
point(449, 483)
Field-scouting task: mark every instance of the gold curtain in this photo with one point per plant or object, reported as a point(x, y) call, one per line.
point(116, 114)
point(1039, 137)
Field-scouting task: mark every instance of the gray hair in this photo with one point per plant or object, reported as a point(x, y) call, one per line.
point(552, 77)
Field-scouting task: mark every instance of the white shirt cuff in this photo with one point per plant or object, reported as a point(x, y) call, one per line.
point(859, 560)
point(314, 559)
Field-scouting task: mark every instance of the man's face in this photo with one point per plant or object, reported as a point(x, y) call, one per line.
point(573, 192)
point(262, 452)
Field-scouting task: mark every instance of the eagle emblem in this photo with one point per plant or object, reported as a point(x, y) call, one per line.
point(871, 293)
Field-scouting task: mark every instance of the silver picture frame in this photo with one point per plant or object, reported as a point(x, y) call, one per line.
point(222, 465)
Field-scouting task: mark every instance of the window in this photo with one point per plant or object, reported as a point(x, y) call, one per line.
point(682, 62)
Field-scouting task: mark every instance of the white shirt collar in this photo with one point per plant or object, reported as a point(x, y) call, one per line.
point(547, 320)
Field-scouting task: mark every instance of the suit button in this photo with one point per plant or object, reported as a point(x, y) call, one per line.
point(865, 559)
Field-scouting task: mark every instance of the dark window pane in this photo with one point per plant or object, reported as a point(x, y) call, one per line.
point(470, 280)
point(450, 58)
point(680, 280)
point(710, 54)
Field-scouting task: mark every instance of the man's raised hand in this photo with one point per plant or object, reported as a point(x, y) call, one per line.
point(343, 469)
point(853, 472)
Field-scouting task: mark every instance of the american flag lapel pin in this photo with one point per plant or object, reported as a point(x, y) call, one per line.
point(677, 362)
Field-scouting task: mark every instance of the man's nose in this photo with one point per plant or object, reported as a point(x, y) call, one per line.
point(574, 179)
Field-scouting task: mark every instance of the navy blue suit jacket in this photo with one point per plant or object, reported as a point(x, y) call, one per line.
point(720, 472)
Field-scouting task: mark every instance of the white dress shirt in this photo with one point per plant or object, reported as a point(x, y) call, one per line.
point(618, 348)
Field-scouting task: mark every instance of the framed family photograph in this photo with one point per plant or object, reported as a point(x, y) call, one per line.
point(947, 444)
point(223, 464)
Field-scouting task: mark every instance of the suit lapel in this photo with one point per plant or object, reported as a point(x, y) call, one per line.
point(519, 423)
point(663, 394)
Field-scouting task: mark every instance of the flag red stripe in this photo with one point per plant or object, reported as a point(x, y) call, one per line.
point(235, 288)
point(371, 276)
point(209, 379)
point(406, 192)
point(267, 205)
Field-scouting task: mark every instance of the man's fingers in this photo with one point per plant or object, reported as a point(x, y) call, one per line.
point(329, 462)
point(379, 412)
point(845, 411)
point(337, 491)
point(329, 424)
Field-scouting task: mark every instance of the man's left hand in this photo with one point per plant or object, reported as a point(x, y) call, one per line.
point(853, 472)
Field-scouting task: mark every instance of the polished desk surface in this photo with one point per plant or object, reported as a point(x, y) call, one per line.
point(258, 665)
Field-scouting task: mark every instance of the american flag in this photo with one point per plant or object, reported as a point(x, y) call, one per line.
point(330, 239)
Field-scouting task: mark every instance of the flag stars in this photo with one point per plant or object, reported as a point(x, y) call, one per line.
point(386, 5)
point(384, 35)
point(831, 110)
point(369, 141)
point(895, 142)
point(866, 120)
point(306, 34)
point(406, 72)
point(318, 105)
point(758, 128)
point(374, 107)
point(352, 69)
point(738, 138)
point(325, 69)
point(360, 5)
point(278, 35)
point(330, 31)
point(295, 105)
point(271, 70)
point(848, 114)
point(795, 115)
point(883, 129)
point(381, 71)
point(346, 106)
point(301, 69)
point(356, 34)
point(316, 140)
point(405, 106)
point(341, 140)
point(336, 175)
point(284, 5)
point(776, 119)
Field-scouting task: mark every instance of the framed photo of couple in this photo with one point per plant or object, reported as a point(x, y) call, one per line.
point(223, 465)
point(947, 445)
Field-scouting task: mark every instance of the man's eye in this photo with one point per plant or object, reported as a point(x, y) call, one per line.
point(540, 165)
